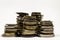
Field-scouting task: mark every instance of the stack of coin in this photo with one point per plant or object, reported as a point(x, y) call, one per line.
point(29, 26)
point(10, 30)
point(38, 18)
point(20, 22)
point(46, 29)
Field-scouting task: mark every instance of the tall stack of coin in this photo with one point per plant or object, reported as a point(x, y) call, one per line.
point(46, 29)
point(38, 18)
point(29, 26)
point(10, 30)
point(20, 22)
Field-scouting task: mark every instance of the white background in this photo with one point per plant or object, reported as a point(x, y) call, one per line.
point(49, 8)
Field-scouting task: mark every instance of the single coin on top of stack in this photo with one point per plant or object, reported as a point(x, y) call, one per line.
point(38, 15)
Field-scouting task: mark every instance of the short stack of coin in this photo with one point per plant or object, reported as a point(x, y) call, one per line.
point(46, 29)
point(10, 30)
point(29, 26)
point(20, 22)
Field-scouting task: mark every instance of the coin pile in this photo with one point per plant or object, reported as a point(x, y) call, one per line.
point(46, 29)
point(20, 23)
point(39, 19)
point(29, 26)
point(10, 30)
